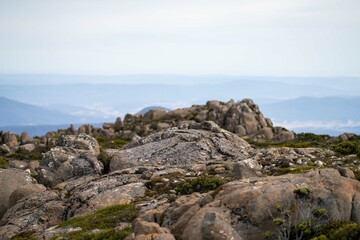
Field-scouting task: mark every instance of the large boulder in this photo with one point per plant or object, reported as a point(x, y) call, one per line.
point(75, 156)
point(26, 138)
point(89, 193)
point(10, 180)
point(80, 142)
point(246, 209)
point(185, 145)
point(36, 212)
point(10, 140)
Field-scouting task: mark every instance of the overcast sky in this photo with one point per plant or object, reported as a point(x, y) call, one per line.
point(240, 37)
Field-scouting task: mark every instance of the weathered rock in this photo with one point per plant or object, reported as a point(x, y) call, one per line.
point(24, 191)
point(80, 142)
point(154, 115)
point(18, 164)
point(27, 148)
point(4, 148)
point(88, 194)
point(35, 212)
point(245, 209)
point(10, 180)
point(108, 125)
point(118, 124)
point(60, 164)
point(247, 168)
point(185, 145)
point(10, 140)
point(345, 172)
point(74, 157)
point(26, 138)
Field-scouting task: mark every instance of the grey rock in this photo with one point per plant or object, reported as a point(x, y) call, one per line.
point(18, 164)
point(36, 212)
point(27, 148)
point(247, 168)
point(62, 163)
point(185, 145)
point(10, 180)
point(245, 209)
point(80, 142)
point(73, 158)
point(24, 191)
point(88, 193)
point(4, 148)
point(118, 124)
point(26, 138)
point(10, 140)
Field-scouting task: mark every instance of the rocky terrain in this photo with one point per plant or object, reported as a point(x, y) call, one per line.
point(218, 171)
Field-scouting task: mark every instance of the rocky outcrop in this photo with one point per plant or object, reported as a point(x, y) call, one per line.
point(10, 180)
point(88, 194)
point(34, 213)
point(189, 145)
point(243, 118)
point(245, 209)
point(75, 156)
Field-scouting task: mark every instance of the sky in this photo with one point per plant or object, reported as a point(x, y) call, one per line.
point(229, 37)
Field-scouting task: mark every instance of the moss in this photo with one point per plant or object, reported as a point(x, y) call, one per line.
point(303, 191)
point(3, 162)
point(278, 221)
point(116, 143)
point(357, 174)
point(109, 234)
point(292, 170)
point(347, 147)
point(104, 218)
point(105, 159)
point(338, 231)
point(199, 184)
point(24, 236)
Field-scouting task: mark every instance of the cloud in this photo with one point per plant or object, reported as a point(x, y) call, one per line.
point(330, 125)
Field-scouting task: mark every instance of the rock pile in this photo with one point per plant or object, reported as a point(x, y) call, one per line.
point(246, 209)
point(243, 118)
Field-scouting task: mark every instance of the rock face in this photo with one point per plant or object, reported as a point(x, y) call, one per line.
point(187, 145)
point(88, 194)
point(245, 209)
point(33, 213)
point(74, 157)
point(10, 180)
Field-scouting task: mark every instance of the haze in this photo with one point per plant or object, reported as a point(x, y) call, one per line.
point(256, 38)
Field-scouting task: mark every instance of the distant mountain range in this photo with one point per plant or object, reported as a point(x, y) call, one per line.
point(329, 109)
point(17, 113)
point(18, 117)
point(329, 115)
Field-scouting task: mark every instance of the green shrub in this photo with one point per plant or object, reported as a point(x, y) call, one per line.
point(104, 218)
point(3, 162)
point(199, 184)
point(346, 148)
point(25, 236)
point(302, 191)
point(105, 159)
point(109, 234)
point(111, 143)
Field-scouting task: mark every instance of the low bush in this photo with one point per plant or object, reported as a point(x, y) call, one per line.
point(199, 184)
point(346, 148)
point(112, 143)
point(104, 220)
point(3, 162)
